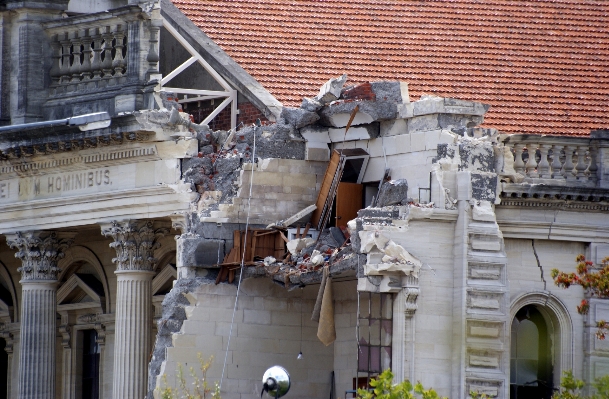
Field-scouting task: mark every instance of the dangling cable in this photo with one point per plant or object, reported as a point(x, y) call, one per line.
point(247, 222)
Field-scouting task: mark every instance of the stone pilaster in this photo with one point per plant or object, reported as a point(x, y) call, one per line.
point(39, 257)
point(135, 244)
point(403, 345)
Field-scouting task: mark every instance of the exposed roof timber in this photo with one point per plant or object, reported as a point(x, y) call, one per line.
point(229, 93)
point(220, 62)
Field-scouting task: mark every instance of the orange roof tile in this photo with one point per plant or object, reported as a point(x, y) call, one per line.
point(543, 65)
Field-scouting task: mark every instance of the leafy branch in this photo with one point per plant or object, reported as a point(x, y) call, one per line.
point(595, 280)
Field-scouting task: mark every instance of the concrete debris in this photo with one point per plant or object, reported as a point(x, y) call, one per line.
point(298, 244)
point(311, 104)
point(331, 90)
point(317, 258)
point(378, 246)
point(299, 117)
point(292, 219)
point(269, 260)
point(393, 192)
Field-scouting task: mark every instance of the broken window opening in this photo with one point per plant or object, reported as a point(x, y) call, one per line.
point(375, 332)
point(342, 181)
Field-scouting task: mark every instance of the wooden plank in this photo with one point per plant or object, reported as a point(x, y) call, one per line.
point(326, 186)
point(348, 202)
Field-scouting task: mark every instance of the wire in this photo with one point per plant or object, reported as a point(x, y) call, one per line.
point(247, 222)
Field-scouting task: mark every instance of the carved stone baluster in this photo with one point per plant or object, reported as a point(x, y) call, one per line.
point(567, 167)
point(543, 168)
point(556, 164)
point(580, 168)
point(56, 68)
point(518, 162)
point(134, 244)
point(118, 63)
point(593, 168)
point(153, 54)
point(532, 162)
point(66, 44)
point(39, 255)
point(76, 51)
point(107, 53)
point(96, 62)
point(86, 51)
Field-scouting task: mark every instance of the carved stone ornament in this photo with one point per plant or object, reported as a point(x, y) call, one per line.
point(88, 318)
point(134, 244)
point(411, 293)
point(39, 256)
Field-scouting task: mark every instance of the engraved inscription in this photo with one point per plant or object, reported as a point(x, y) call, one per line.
point(77, 181)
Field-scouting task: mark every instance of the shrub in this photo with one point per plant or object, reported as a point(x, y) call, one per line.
point(200, 386)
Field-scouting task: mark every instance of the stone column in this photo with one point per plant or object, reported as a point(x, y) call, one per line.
point(39, 257)
point(135, 244)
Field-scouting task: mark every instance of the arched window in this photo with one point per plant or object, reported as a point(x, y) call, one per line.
point(531, 363)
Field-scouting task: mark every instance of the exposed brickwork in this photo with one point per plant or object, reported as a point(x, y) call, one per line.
point(543, 65)
point(248, 113)
point(359, 92)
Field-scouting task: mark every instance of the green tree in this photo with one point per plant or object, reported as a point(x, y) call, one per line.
point(595, 280)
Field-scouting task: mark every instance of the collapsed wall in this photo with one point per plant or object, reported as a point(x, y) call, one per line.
point(263, 175)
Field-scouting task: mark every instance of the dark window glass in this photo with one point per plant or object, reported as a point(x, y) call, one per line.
point(90, 365)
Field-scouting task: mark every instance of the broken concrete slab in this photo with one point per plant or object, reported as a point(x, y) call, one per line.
point(393, 127)
point(362, 132)
point(338, 113)
point(387, 91)
point(394, 192)
point(310, 104)
point(315, 133)
point(331, 90)
point(298, 117)
point(439, 105)
point(317, 151)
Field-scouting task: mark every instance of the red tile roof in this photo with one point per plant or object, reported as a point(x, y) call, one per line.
point(543, 65)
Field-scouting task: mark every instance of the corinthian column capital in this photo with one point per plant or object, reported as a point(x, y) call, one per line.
point(39, 253)
point(134, 243)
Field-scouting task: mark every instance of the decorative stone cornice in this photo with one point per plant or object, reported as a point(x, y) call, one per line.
point(39, 256)
point(134, 244)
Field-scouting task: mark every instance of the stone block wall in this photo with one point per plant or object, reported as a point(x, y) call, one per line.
point(266, 332)
point(408, 155)
point(281, 188)
point(526, 279)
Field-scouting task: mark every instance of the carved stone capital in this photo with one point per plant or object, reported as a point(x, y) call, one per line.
point(39, 253)
point(411, 293)
point(134, 243)
point(65, 330)
point(9, 339)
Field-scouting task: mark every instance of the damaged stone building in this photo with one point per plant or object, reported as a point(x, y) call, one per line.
point(334, 187)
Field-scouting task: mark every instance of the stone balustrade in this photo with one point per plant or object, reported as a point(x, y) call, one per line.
point(551, 160)
point(114, 53)
point(89, 57)
point(555, 168)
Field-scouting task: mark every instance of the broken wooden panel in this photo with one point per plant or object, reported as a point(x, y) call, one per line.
point(332, 176)
point(267, 243)
point(260, 243)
